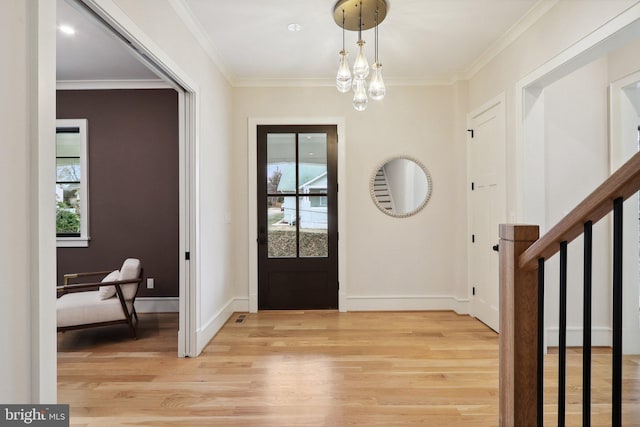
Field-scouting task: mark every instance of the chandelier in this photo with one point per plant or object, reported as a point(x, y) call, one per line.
point(359, 15)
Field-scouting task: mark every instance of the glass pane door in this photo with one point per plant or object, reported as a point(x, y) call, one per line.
point(297, 217)
point(296, 195)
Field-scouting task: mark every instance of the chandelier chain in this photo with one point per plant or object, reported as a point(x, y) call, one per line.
point(360, 27)
point(376, 36)
point(343, 29)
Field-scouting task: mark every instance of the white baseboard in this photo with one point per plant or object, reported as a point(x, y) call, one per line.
point(461, 305)
point(157, 304)
point(600, 336)
point(407, 303)
point(205, 333)
point(241, 304)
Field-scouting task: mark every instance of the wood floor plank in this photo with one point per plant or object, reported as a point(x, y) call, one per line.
point(317, 368)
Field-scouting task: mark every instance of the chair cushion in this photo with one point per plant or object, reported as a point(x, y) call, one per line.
point(106, 292)
point(81, 308)
point(130, 270)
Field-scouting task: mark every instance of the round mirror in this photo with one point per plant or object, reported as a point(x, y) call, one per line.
point(400, 187)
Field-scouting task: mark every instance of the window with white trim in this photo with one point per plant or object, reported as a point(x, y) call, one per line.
point(72, 198)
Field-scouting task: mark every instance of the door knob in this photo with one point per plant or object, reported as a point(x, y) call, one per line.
point(262, 236)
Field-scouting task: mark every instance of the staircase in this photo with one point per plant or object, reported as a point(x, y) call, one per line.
point(522, 294)
point(381, 190)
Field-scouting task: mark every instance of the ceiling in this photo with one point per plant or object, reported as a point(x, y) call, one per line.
point(93, 53)
point(420, 40)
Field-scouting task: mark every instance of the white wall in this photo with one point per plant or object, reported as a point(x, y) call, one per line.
point(393, 263)
point(27, 246)
point(14, 216)
point(624, 61)
point(577, 161)
point(215, 293)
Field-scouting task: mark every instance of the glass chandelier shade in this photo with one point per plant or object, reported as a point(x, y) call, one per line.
point(377, 89)
point(358, 15)
point(343, 79)
point(361, 66)
point(360, 100)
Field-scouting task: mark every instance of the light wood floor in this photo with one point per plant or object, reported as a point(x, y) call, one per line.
point(311, 369)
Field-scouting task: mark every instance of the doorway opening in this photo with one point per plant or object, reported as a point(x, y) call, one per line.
point(556, 91)
point(149, 75)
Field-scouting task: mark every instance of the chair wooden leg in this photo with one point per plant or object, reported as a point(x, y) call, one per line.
point(132, 329)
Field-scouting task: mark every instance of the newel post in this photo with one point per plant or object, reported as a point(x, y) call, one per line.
point(518, 328)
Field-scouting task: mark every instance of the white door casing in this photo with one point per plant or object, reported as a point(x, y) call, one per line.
point(252, 165)
point(624, 114)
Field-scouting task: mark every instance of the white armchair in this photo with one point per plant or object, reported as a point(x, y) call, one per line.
point(111, 301)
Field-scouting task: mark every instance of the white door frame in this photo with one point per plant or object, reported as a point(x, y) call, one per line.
point(252, 164)
point(624, 121)
point(43, 239)
point(501, 180)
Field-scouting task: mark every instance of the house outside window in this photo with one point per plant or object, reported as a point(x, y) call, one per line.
point(72, 199)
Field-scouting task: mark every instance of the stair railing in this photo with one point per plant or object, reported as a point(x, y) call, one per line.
point(522, 258)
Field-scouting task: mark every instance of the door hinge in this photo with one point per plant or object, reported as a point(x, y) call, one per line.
point(337, 187)
point(473, 186)
point(473, 238)
point(473, 290)
point(470, 130)
point(187, 256)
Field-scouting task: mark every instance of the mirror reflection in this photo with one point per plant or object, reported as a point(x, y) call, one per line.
point(400, 187)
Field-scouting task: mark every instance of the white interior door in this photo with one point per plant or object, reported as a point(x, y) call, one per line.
point(486, 168)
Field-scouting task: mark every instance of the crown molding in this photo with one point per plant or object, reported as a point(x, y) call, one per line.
point(282, 82)
point(193, 25)
point(523, 24)
point(426, 81)
point(534, 14)
point(330, 82)
point(111, 84)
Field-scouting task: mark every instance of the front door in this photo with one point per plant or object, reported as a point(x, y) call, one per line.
point(297, 217)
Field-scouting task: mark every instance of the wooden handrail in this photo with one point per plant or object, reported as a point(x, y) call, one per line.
point(622, 183)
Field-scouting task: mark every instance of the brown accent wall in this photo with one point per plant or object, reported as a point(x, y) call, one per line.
point(133, 183)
